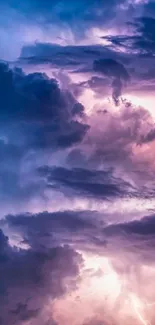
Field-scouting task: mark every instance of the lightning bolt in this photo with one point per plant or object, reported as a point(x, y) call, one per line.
point(136, 307)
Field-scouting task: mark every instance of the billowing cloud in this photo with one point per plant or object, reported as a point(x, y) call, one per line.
point(30, 278)
point(35, 115)
point(124, 244)
point(77, 143)
point(97, 67)
point(34, 98)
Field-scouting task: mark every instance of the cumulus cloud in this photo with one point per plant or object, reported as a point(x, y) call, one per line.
point(30, 278)
point(34, 97)
point(113, 136)
point(127, 245)
point(35, 115)
point(77, 169)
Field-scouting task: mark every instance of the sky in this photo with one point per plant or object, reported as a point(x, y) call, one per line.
point(77, 148)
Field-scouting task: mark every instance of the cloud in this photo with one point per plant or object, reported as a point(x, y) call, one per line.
point(30, 278)
point(142, 39)
point(114, 70)
point(128, 131)
point(90, 60)
point(113, 135)
point(34, 98)
point(51, 271)
point(92, 168)
point(125, 70)
point(15, 181)
point(56, 21)
point(136, 239)
point(72, 57)
point(84, 182)
point(84, 230)
point(111, 68)
point(65, 12)
point(119, 143)
point(142, 227)
point(48, 229)
point(36, 115)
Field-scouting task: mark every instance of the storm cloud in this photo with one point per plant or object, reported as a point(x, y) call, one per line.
point(25, 288)
point(77, 144)
point(35, 115)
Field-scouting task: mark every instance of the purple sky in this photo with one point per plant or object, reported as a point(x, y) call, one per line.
point(77, 162)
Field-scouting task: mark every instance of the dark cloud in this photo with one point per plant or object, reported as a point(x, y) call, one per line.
point(72, 57)
point(90, 60)
point(33, 97)
point(142, 227)
point(145, 26)
point(45, 229)
point(98, 84)
point(85, 182)
point(52, 151)
point(87, 230)
point(23, 313)
point(143, 39)
point(59, 21)
point(111, 68)
point(128, 69)
point(36, 115)
point(3, 244)
point(114, 70)
point(45, 268)
point(145, 226)
point(150, 8)
point(137, 238)
point(30, 278)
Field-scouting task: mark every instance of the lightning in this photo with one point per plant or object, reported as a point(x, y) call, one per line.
point(103, 291)
point(137, 306)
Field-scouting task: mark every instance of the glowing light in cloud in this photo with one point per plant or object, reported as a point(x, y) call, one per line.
point(103, 281)
point(139, 309)
point(103, 292)
point(98, 290)
point(146, 101)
